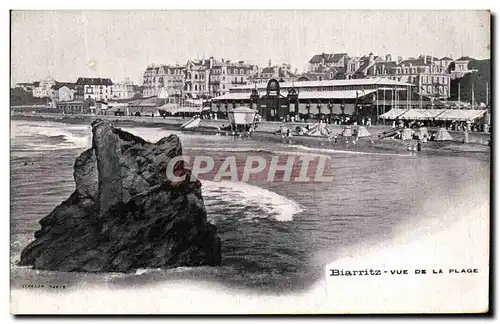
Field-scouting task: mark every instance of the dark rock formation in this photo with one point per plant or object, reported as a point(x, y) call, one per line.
point(125, 214)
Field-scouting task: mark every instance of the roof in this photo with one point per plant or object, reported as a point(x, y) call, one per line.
point(438, 114)
point(414, 62)
point(269, 69)
point(327, 57)
point(392, 114)
point(59, 85)
point(329, 83)
point(94, 81)
point(466, 58)
point(446, 58)
point(309, 76)
point(421, 114)
point(347, 94)
point(236, 96)
point(365, 64)
point(461, 114)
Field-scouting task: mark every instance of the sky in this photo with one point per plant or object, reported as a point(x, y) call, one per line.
point(119, 44)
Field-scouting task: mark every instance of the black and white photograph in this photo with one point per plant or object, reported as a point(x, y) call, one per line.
point(248, 162)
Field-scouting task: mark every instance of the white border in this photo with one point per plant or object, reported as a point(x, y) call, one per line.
point(258, 4)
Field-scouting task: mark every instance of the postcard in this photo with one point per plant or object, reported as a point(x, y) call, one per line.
point(250, 162)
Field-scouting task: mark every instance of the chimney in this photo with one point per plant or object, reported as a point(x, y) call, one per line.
point(399, 59)
point(388, 58)
point(370, 57)
point(269, 64)
point(451, 56)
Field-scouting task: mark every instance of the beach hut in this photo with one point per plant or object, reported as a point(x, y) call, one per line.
point(363, 132)
point(318, 129)
point(407, 134)
point(241, 118)
point(422, 132)
point(443, 135)
point(347, 131)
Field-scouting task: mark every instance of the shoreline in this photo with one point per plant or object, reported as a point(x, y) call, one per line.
point(265, 132)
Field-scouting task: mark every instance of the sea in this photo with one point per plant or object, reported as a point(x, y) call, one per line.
point(277, 236)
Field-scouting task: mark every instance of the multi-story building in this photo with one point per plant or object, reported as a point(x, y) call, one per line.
point(323, 61)
point(64, 91)
point(282, 73)
point(163, 78)
point(44, 88)
point(197, 77)
point(225, 75)
point(96, 89)
point(357, 67)
point(428, 73)
point(461, 67)
point(123, 90)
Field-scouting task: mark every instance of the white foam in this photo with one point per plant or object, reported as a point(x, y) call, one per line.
point(334, 151)
point(75, 136)
point(248, 195)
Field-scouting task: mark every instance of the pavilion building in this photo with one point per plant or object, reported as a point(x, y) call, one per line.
point(330, 100)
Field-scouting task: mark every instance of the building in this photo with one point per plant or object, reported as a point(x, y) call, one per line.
point(123, 90)
point(461, 67)
point(197, 77)
point(44, 88)
point(282, 73)
point(357, 67)
point(73, 107)
point(332, 100)
point(64, 91)
point(323, 61)
point(167, 78)
point(226, 74)
point(95, 89)
point(21, 97)
point(27, 86)
point(430, 76)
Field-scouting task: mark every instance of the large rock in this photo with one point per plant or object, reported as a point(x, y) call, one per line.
point(125, 213)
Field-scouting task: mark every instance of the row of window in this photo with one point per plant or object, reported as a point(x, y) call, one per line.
point(168, 72)
point(434, 79)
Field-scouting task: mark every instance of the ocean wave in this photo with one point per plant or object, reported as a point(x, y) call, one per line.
point(335, 151)
point(300, 150)
point(51, 136)
point(236, 194)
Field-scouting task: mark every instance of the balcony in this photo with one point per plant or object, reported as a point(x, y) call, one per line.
point(238, 82)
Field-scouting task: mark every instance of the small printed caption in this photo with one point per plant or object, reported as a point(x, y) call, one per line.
point(43, 286)
point(400, 272)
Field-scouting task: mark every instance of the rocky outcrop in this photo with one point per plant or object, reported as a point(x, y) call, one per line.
point(125, 213)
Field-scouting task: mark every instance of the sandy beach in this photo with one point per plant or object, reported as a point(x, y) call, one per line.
point(265, 131)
